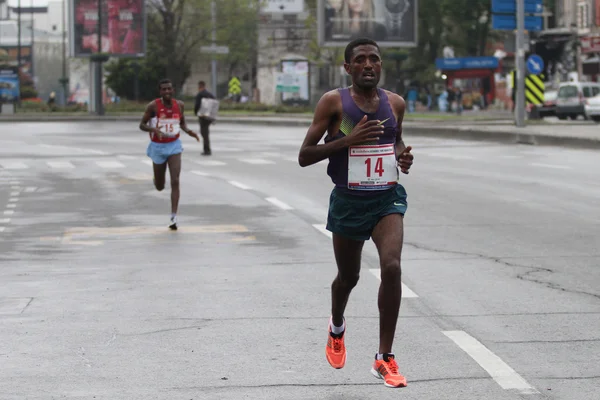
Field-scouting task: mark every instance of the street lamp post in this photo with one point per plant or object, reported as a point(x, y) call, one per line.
point(64, 80)
point(19, 50)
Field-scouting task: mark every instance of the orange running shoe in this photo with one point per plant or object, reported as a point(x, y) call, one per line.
point(387, 369)
point(335, 351)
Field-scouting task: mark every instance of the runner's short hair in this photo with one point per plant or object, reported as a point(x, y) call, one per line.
point(354, 44)
point(163, 81)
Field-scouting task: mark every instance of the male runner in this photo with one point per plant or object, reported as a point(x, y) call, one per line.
point(166, 117)
point(365, 147)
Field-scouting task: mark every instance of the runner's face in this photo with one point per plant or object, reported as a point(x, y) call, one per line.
point(365, 66)
point(166, 91)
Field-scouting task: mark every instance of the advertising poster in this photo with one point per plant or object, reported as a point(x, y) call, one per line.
point(123, 28)
point(296, 71)
point(9, 84)
point(391, 23)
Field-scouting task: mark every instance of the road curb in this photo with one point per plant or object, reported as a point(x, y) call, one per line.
point(534, 139)
point(431, 130)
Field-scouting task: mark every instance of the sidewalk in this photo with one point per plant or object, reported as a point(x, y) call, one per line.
point(496, 127)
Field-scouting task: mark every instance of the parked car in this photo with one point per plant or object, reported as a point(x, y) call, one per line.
point(592, 108)
point(571, 98)
point(548, 109)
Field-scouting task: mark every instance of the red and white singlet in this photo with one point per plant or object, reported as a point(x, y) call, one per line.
point(167, 121)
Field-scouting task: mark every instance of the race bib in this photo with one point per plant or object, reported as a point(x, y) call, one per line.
point(372, 167)
point(169, 127)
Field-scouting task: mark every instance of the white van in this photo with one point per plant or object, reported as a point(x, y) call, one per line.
point(571, 98)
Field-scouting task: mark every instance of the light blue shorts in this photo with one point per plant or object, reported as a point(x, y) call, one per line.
point(159, 152)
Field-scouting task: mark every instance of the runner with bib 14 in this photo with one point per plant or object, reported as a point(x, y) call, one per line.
point(365, 149)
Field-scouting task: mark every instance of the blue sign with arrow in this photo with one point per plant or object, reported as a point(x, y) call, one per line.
point(535, 64)
point(510, 6)
point(509, 22)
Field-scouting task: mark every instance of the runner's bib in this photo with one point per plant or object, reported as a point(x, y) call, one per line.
point(372, 167)
point(169, 127)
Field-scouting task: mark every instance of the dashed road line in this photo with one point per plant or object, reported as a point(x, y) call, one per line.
point(13, 165)
point(279, 203)
point(553, 166)
point(239, 185)
point(200, 173)
point(210, 163)
point(321, 228)
point(407, 293)
point(257, 161)
point(60, 164)
point(503, 374)
point(110, 164)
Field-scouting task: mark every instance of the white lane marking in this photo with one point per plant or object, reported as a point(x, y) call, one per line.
point(511, 156)
point(148, 162)
point(279, 203)
point(13, 194)
point(1, 229)
point(451, 156)
point(13, 199)
point(110, 164)
point(11, 206)
point(321, 228)
point(406, 292)
point(9, 212)
point(504, 375)
point(60, 164)
point(30, 189)
point(210, 163)
point(200, 173)
point(239, 185)
point(73, 149)
point(13, 165)
point(4, 220)
point(257, 161)
point(15, 188)
point(15, 182)
point(553, 166)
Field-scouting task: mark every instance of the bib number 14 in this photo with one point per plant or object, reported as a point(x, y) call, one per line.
point(372, 167)
point(379, 170)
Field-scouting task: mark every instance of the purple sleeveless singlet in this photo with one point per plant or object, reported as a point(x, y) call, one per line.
point(351, 116)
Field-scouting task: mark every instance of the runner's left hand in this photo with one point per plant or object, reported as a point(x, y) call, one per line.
point(405, 160)
point(194, 135)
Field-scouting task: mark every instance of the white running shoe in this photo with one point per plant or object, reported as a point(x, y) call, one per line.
point(173, 224)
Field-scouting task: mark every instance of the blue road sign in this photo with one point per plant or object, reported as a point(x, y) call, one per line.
point(509, 22)
point(446, 64)
point(535, 64)
point(510, 6)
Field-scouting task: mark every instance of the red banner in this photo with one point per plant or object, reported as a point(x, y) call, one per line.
point(590, 44)
point(123, 27)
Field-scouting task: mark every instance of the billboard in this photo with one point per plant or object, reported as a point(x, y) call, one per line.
point(391, 23)
point(10, 55)
point(9, 84)
point(293, 81)
point(123, 27)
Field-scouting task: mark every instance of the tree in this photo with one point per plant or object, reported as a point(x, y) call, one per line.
point(176, 31)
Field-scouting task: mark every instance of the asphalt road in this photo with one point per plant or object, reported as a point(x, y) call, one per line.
point(100, 301)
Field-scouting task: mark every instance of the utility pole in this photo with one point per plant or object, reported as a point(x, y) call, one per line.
point(520, 83)
point(99, 97)
point(64, 80)
point(213, 12)
point(19, 50)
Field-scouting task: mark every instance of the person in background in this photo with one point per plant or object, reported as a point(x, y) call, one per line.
point(204, 122)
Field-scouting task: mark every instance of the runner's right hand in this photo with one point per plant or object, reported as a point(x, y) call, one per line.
point(365, 131)
point(156, 133)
